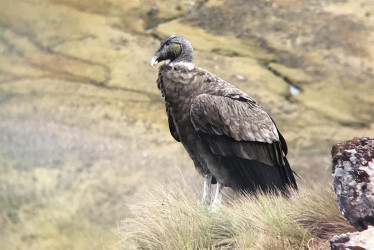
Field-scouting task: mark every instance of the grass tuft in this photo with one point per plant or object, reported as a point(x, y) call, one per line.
point(177, 219)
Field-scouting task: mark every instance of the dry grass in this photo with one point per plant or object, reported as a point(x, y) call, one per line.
point(176, 219)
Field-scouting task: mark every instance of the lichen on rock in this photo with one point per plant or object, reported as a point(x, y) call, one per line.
point(353, 170)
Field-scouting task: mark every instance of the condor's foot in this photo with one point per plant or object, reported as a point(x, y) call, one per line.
point(217, 198)
point(207, 188)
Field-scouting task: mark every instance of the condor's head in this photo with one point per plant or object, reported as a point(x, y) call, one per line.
point(177, 50)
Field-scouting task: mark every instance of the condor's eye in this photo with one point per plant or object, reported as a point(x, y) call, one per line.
point(167, 43)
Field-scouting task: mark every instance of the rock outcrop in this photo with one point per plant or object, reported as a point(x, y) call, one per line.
point(353, 170)
point(357, 240)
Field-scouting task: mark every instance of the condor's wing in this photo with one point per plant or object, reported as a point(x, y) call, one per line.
point(236, 126)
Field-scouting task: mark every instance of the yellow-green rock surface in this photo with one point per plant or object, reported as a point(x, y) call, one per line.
point(83, 130)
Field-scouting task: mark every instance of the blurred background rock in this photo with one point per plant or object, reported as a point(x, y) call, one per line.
point(83, 130)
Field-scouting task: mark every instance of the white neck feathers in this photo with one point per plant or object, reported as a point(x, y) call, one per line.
point(188, 65)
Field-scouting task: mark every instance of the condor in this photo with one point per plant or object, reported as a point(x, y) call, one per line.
point(232, 141)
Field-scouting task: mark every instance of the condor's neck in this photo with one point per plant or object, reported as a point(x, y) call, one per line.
point(185, 58)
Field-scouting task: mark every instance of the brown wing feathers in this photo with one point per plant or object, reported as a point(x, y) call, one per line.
point(239, 120)
point(247, 139)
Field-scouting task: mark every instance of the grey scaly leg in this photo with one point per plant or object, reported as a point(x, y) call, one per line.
point(217, 197)
point(207, 188)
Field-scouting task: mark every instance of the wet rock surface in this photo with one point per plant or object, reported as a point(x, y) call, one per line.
point(353, 170)
point(358, 241)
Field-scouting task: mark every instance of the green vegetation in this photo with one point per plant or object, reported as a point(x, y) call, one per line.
point(53, 209)
point(83, 126)
point(176, 219)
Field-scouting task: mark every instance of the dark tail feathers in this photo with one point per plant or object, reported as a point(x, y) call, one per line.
point(251, 175)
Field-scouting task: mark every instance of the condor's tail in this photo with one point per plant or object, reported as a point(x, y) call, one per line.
point(251, 175)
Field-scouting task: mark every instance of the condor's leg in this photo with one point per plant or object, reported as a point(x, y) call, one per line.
point(217, 196)
point(207, 188)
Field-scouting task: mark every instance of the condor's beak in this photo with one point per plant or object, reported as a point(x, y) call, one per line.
point(154, 61)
